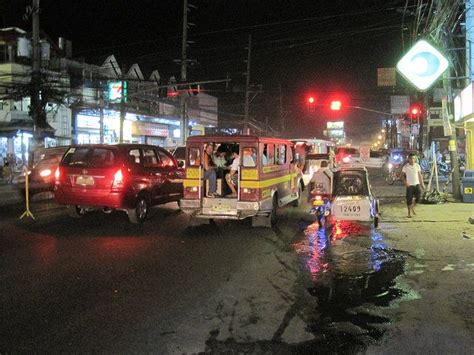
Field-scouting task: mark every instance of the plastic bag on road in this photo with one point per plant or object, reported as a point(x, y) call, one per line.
point(433, 197)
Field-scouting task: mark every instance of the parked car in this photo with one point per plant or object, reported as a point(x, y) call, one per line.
point(128, 177)
point(347, 155)
point(41, 175)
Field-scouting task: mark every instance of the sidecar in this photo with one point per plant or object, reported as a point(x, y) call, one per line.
point(352, 196)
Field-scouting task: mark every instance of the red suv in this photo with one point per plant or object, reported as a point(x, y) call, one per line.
point(129, 177)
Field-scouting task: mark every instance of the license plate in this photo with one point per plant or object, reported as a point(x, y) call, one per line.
point(85, 180)
point(221, 208)
point(318, 203)
point(350, 210)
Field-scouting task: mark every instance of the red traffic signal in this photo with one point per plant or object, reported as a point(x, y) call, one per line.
point(311, 102)
point(415, 112)
point(336, 105)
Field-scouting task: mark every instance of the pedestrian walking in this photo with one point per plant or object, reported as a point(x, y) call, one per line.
point(7, 171)
point(413, 179)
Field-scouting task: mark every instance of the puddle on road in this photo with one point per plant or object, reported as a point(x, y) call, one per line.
point(353, 273)
point(352, 276)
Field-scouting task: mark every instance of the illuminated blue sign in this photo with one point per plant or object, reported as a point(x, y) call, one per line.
point(422, 65)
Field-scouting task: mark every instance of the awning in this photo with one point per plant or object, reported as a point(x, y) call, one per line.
point(11, 128)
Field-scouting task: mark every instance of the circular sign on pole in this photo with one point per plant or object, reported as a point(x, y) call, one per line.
point(422, 65)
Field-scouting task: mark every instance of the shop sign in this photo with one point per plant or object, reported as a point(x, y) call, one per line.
point(386, 77)
point(399, 104)
point(335, 125)
point(335, 133)
point(140, 128)
point(434, 117)
point(115, 91)
point(364, 152)
point(88, 122)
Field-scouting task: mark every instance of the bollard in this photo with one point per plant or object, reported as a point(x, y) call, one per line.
point(27, 212)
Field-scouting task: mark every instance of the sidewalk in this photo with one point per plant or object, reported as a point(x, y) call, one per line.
point(437, 313)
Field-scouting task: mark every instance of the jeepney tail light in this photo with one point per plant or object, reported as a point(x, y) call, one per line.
point(249, 194)
point(346, 159)
point(191, 192)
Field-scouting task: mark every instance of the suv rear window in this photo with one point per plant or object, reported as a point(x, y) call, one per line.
point(89, 157)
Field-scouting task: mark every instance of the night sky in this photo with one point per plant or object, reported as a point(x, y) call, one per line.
point(322, 47)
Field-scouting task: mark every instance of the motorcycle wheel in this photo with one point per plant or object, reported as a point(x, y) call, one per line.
point(389, 179)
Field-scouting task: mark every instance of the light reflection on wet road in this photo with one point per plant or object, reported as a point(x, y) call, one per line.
point(353, 273)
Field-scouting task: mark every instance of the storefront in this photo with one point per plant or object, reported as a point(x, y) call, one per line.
point(136, 128)
point(464, 118)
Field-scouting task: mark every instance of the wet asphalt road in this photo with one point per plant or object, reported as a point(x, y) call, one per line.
point(100, 284)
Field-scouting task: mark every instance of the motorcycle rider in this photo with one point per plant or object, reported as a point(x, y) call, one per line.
point(323, 177)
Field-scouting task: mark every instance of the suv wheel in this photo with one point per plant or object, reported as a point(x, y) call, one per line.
point(138, 214)
point(75, 211)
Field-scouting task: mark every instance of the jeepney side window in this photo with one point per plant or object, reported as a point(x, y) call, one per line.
point(194, 156)
point(268, 156)
point(290, 156)
point(281, 154)
point(249, 157)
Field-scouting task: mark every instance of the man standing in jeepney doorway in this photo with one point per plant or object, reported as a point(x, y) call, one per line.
point(210, 169)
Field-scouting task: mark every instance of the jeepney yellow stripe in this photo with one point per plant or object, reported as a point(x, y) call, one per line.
point(271, 168)
point(249, 174)
point(266, 183)
point(250, 184)
point(190, 183)
point(192, 173)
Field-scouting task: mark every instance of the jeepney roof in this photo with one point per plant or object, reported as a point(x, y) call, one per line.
point(234, 138)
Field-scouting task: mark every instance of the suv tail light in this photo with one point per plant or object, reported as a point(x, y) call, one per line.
point(57, 175)
point(118, 180)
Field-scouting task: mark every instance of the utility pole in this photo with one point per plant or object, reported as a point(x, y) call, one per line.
point(247, 88)
point(184, 109)
point(36, 110)
point(122, 104)
point(452, 144)
point(101, 114)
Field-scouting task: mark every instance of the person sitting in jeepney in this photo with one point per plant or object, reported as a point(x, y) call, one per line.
point(219, 158)
point(322, 178)
point(210, 170)
point(232, 177)
point(249, 158)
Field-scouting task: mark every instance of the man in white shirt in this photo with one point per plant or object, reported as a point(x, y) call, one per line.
point(322, 177)
point(411, 176)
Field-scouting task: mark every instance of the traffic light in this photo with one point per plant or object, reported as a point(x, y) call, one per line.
point(311, 101)
point(415, 112)
point(336, 105)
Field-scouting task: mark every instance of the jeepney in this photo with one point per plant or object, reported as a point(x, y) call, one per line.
point(267, 178)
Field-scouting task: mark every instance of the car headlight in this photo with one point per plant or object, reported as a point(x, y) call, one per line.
point(45, 173)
